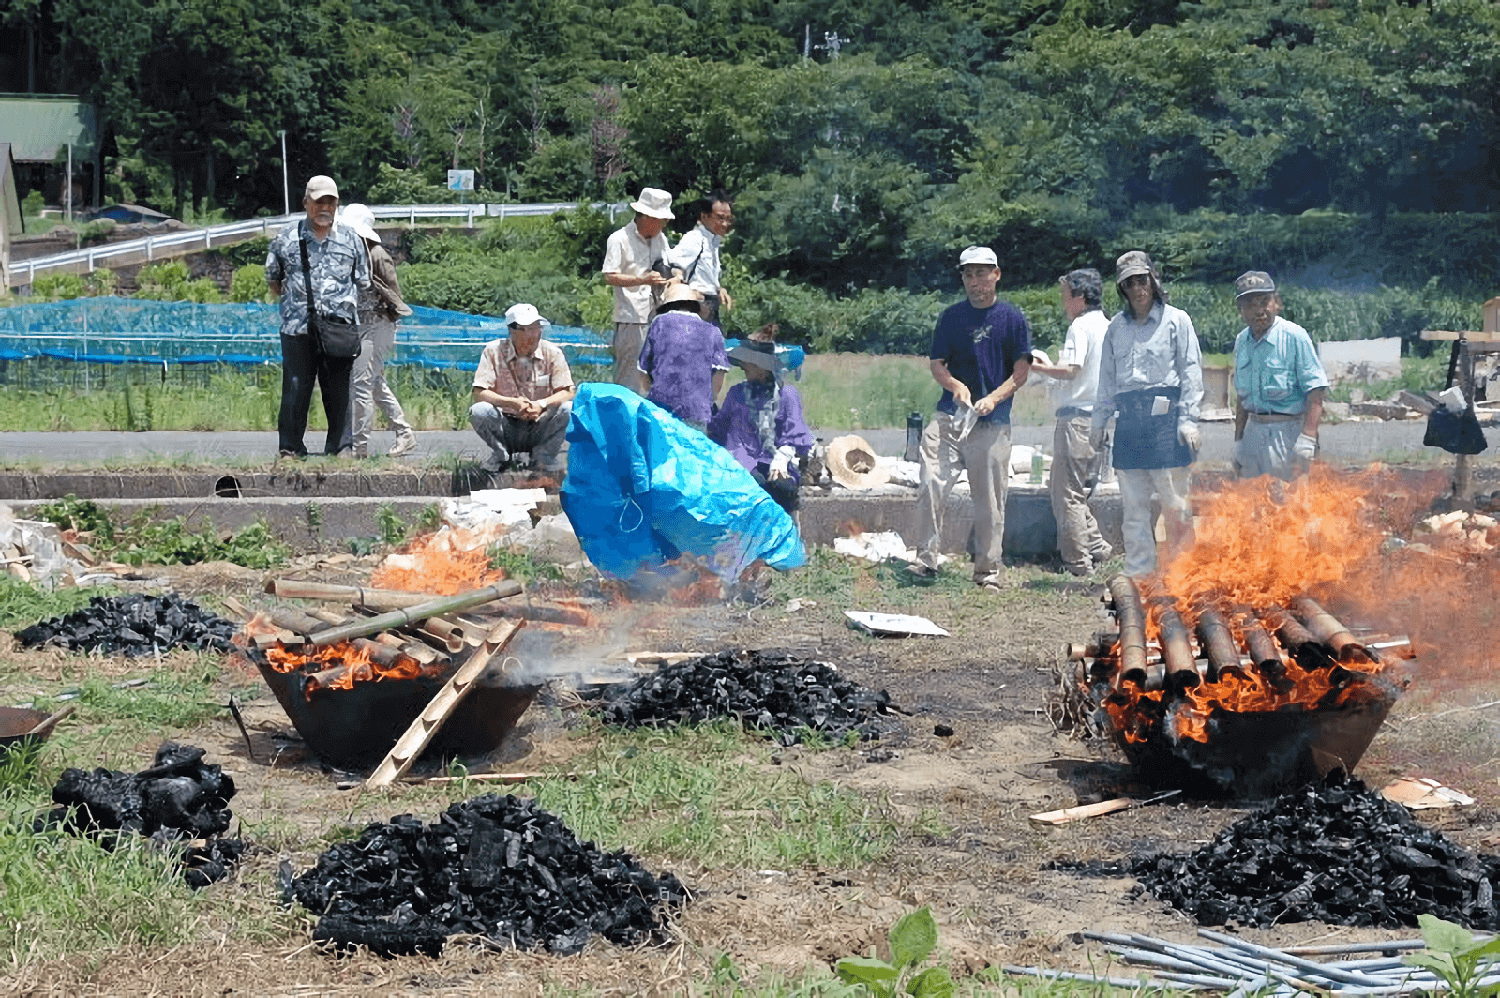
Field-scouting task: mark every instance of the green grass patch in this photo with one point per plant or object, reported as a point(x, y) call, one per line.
point(144, 540)
point(23, 604)
point(687, 793)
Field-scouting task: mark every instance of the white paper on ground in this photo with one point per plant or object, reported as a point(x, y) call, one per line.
point(875, 547)
point(893, 623)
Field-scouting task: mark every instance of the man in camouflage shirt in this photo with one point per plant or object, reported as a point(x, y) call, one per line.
point(340, 267)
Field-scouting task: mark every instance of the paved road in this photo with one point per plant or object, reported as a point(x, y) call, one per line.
point(1346, 443)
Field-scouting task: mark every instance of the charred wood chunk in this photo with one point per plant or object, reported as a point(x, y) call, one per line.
point(133, 625)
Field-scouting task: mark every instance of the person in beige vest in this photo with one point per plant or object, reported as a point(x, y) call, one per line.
point(380, 309)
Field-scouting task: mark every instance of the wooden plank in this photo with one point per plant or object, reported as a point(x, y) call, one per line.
point(1067, 814)
point(433, 716)
point(1450, 335)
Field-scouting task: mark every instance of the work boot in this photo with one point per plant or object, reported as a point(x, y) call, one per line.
point(406, 442)
point(495, 462)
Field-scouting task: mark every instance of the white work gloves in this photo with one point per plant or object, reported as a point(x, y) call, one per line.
point(1098, 436)
point(1306, 447)
point(1040, 357)
point(781, 464)
point(1188, 434)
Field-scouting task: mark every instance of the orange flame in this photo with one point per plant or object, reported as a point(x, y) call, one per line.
point(340, 665)
point(444, 564)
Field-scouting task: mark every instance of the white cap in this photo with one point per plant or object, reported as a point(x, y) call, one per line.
point(978, 254)
point(523, 315)
point(361, 219)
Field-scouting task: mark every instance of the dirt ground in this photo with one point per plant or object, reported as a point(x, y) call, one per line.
point(990, 683)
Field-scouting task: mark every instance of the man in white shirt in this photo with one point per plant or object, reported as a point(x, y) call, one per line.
point(630, 267)
point(1076, 465)
point(697, 253)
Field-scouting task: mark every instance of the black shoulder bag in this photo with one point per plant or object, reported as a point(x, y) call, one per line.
point(1454, 432)
point(332, 335)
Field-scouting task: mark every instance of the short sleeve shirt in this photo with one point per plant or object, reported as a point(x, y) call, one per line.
point(627, 253)
point(681, 354)
point(980, 346)
point(697, 254)
point(1275, 373)
point(1083, 347)
point(535, 377)
point(340, 268)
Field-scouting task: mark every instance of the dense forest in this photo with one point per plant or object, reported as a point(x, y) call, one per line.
point(1351, 140)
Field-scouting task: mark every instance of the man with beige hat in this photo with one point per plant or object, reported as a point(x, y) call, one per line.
point(1280, 384)
point(635, 266)
point(317, 268)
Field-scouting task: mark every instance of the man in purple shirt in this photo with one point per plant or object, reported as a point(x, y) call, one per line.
point(981, 356)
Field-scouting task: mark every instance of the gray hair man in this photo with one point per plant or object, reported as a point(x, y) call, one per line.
point(1076, 465)
point(337, 268)
point(1151, 382)
point(1279, 382)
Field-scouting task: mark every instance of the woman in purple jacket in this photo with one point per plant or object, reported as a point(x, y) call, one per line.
point(760, 422)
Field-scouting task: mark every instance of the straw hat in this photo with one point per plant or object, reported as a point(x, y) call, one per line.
point(854, 464)
point(678, 291)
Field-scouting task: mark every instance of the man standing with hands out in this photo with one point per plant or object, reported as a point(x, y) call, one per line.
point(1151, 380)
point(1280, 383)
point(980, 356)
point(1075, 463)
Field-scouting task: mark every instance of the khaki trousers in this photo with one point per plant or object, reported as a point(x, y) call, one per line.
point(985, 455)
point(1075, 467)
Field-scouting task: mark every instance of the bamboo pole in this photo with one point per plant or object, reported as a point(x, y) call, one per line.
point(421, 611)
point(396, 599)
point(430, 721)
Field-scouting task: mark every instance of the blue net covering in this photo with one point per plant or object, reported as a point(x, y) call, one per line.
point(138, 331)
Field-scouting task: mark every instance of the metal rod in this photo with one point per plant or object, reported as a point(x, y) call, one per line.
point(396, 618)
point(1322, 970)
point(1132, 983)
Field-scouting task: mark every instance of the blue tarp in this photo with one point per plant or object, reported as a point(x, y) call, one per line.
point(116, 330)
point(643, 487)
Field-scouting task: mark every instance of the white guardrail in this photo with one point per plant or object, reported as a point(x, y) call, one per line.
point(191, 240)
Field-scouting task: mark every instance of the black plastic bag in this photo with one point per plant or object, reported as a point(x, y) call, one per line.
point(1454, 432)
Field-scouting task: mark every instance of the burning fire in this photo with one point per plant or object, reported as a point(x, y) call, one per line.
point(340, 665)
point(445, 564)
point(1260, 546)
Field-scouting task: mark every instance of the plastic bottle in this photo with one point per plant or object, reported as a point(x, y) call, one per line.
point(1037, 466)
point(913, 437)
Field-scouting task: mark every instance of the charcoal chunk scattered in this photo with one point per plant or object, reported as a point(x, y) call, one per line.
point(179, 802)
point(494, 866)
point(780, 695)
point(1333, 852)
point(133, 625)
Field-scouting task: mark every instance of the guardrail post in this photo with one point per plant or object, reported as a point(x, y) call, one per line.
point(150, 248)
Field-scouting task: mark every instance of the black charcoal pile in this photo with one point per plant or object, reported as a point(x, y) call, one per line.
point(492, 866)
point(778, 694)
point(1334, 852)
point(133, 625)
point(179, 803)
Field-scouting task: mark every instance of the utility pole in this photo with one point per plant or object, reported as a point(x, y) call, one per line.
point(286, 191)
